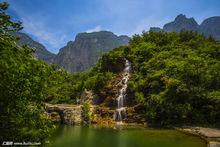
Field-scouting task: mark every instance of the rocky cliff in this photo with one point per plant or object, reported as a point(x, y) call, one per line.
point(77, 55)
point(181, 23)
point(41, 52)
point(87, 48)
point(209, 27)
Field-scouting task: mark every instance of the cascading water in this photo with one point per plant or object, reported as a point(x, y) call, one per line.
point(122, 93)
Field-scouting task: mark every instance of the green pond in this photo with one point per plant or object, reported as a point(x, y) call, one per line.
point(78, 136)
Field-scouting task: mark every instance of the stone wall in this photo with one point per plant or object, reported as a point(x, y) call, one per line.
point(65, 114)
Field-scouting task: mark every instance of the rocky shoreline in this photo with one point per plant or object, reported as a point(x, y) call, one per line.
point(210, 135)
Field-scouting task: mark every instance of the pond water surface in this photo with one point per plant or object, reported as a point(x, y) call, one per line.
point(78, 136)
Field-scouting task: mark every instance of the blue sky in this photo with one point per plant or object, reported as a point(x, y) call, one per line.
point(55, 22)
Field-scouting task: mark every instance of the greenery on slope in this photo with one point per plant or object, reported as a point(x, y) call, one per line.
point(67, 88)
point(176, 76)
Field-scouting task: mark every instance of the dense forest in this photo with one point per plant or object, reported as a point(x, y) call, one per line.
point(175, 76)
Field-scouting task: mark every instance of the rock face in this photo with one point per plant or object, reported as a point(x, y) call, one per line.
point(107, 103)
point(109, 93)
point(135, 115)
point(103, 115)
point(87, 95)
point(87, 48)
point(41, 52)
point(181, 23)
point(209, 27)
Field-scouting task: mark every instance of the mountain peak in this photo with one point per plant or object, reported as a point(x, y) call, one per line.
point(210, 27)
point(87, 48)
point(213, 20)
point(41, 52)
point(92, 35)
point(180, 17)
point(95, 33)
point(181, 22)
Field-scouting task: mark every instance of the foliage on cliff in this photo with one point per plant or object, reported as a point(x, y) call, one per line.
point(176, 77)
point(67, 88)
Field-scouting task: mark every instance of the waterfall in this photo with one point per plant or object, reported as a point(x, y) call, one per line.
point(122, 93)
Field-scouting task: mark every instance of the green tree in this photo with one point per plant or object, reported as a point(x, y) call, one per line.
point(176, 77)
point(22, 87)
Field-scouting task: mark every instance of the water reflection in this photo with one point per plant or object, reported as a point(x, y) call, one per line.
point(76, 136)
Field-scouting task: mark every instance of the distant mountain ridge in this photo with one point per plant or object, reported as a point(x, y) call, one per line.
point(87, 48)
point(80, 54)
point(209, 27)
point(181, 22)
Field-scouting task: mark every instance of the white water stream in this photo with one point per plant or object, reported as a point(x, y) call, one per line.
point(122, 93)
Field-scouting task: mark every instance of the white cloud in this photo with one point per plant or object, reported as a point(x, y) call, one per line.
point(37, 27)
point(53, 39)
point(96, 29)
